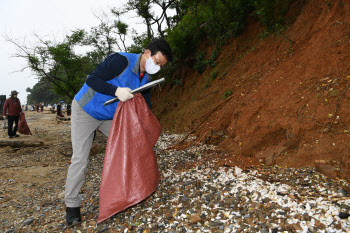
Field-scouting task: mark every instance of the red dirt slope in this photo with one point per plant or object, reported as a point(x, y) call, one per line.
point(280, 100)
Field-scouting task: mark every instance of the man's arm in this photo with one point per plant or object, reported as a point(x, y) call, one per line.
point(5, 107)
point(147, 96)
point(111, 67)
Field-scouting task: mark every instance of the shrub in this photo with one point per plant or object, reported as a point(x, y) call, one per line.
point(201, 63)
point(271, 13)
point(211, 21)
point(227, 93)
point(214, 74)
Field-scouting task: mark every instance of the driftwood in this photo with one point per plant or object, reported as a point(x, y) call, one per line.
point(16, 143)
point(60, 118)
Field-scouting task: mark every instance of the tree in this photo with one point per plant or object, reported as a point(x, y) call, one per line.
point(42, 92)
point(104, 37)
point(160, 19)
point(143, 9)
point(140, 42)
point(58, 63)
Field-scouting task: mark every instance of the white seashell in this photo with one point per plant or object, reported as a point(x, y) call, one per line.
point(238, 171)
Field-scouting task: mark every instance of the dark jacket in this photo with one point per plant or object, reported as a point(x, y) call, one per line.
point(12, 107)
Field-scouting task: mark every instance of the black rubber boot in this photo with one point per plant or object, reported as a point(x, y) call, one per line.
point(73, 216)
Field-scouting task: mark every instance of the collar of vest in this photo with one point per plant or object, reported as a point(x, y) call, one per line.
point(136, 69)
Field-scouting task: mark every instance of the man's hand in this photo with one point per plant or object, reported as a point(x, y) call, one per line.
point(124, 94)
point(5, 117)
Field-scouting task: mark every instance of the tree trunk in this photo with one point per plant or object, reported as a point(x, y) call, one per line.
point(4, 143)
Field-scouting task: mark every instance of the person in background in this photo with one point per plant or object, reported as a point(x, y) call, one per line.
point(68, 109)
point(116, 76)
point(59, 109)
point(12, 109)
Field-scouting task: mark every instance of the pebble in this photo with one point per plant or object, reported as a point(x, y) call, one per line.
point(28, 221)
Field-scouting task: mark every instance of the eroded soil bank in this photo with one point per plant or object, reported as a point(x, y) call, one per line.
point(282, 99)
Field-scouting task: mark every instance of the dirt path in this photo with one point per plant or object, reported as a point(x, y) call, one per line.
point(44, 127)
point(28, 167)
point(33, 177)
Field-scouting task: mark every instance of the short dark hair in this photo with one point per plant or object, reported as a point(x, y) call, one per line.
point(161, 45)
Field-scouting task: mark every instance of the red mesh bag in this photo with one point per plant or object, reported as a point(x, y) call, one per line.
point(130, 171)
point(22, 125)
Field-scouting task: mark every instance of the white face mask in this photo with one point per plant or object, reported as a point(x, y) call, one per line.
point(151, 67)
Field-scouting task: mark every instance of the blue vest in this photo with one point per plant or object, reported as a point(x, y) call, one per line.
point(92, 101)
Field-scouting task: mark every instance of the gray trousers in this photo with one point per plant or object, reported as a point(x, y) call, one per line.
point(83, 127)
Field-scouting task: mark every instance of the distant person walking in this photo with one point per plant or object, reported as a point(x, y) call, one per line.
point(12, 109)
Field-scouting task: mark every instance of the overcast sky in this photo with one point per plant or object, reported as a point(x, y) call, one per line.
point(20, 19)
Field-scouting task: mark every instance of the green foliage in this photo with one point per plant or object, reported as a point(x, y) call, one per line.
point(216, 52)
point(42, 93)
point(33, 61)
point(212, 60)
point(58, 67)
point(142, 7)
point(167, 72)
point(327, 3)
point(218, 20)
point(76, 37)
point(122, 27)
point(200, 64)
point(185, 38)
point(210, 20)
point(263, 35)
point(214, 74)
point(140, 42)
point(290, 51)
point(177, 82)
point(227, 93)
point(106, 37)
point(214, 20)
point(271, 13)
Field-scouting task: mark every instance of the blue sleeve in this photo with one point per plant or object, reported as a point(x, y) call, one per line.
point(111, 67)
